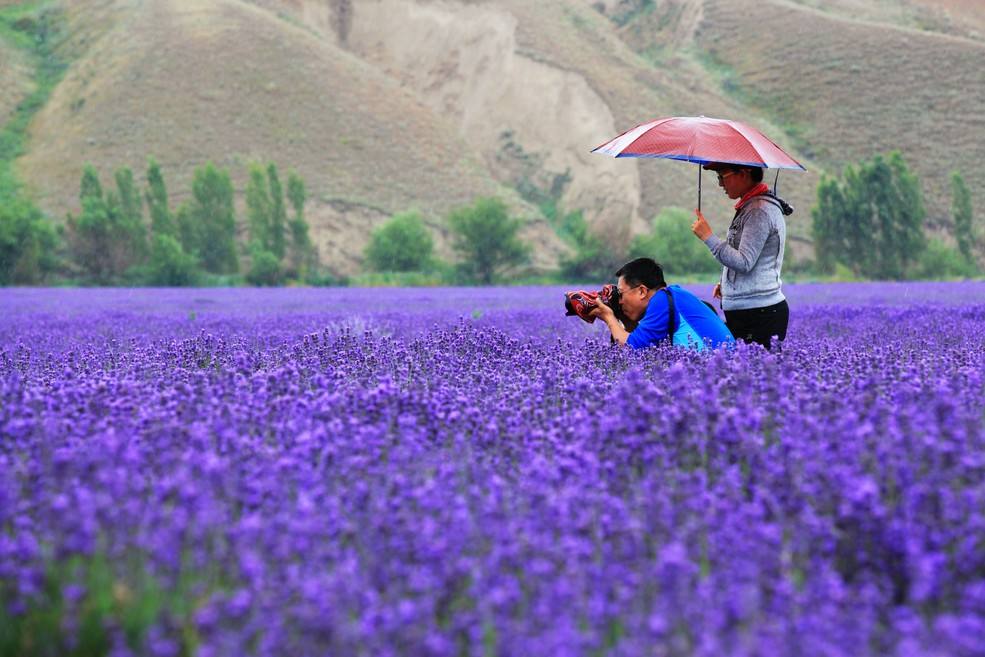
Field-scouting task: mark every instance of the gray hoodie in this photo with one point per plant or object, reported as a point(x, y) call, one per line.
point(752, 256)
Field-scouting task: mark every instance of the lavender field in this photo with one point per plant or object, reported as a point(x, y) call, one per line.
point(467, 472)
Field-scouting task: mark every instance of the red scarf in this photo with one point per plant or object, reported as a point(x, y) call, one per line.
point(761, 188)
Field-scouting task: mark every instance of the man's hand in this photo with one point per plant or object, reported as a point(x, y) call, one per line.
point(602, 311)
point(716, 292)
point(700, 226)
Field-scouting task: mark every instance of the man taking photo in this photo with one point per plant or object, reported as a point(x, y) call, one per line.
point(662, 312)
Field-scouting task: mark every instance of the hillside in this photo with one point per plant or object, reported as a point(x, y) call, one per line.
point(15, 80)
point(847, 88)
point(385, 105)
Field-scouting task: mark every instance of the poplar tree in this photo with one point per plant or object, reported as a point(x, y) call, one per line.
point(161, 222)
point(302, 257)
point(278, 214)
point(962, 214)
point(212, 210)
point(258, 207)
point(131, 234)
point(871, 219)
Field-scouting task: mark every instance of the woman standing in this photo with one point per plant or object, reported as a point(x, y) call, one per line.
point(751, 256)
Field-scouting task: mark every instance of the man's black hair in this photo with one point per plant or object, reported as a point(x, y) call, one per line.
point(643, 271)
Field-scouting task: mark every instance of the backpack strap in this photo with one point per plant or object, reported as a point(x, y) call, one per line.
point(671, 315)
point(773, 199)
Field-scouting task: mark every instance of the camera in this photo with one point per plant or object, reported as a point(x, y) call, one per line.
point(581, 303)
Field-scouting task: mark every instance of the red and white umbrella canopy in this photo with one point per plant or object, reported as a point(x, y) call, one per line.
point(700, 140)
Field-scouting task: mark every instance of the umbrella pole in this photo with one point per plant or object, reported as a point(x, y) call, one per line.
point(699, 187)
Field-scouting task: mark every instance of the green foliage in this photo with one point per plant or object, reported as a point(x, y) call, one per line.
point(161, 222)
point(189, 230)
point(592, 259)
point(402, 244)
point(672, 244)
point(169, 265)
point(399, 279)
point(940, 261)
point(296, 193)
point(27, 244)
point(128, 208)
point(278, 214)
point(37, 31)
point(631, 10)
point(265, 268)
point(103, 600)
point(212, 211)
point(487, 241)
point(258, 206)
point(270, 228)
point(871, 220)
point(302, 257)
point(961, 212)
point(108, 238)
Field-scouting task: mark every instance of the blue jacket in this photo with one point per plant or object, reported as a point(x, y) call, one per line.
point(696, 323)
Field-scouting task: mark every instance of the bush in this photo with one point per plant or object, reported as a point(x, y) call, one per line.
point(592, 258)
point(265, 269)
point(940, 261)
point(169, 265)
point(27, 244)
point(402, 244)
point(487, 240)
point(672, 244)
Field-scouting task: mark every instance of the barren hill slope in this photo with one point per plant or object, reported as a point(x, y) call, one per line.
point(15, 80)
point(848, 88)
point(533, 87)
point(385, 105)
point(226, 81)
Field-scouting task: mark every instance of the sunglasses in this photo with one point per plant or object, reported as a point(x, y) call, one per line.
point(723, 176)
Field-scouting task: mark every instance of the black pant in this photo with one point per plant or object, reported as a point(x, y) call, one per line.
point(759, 324)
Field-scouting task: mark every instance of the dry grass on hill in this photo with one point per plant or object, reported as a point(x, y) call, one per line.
point(964, 18)
point(639, 88)
point(226, 81)
point(15, 80)
point(377, 116)
point(850, 89)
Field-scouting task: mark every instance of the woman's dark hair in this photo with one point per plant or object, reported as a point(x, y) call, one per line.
point(755, 173)
point(643, 271)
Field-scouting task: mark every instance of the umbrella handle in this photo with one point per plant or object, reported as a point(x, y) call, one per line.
point(699, 187)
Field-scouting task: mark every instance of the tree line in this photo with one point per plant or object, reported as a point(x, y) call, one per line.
point(867, 222)
point(870, 222)
point(128, 235)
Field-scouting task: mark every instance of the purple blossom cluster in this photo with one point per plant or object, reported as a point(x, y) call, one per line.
point(467, 472)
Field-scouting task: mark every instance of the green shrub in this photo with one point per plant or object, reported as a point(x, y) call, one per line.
point(592, 258)
point(487, 241)
point(672, 244)
point(402, 244)
point(265, 269)
point(169, 265)
point(27, 244)
point(940, 261)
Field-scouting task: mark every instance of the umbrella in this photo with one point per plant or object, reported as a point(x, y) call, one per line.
point(700, 140)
